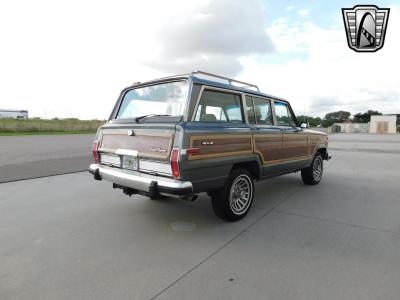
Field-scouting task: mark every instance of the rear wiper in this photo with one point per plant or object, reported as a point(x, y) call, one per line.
point(137, 119)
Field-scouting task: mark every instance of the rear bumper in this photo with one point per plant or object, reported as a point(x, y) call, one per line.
point(146, 183)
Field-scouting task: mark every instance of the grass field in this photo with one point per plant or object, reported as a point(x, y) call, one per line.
point(42, 126)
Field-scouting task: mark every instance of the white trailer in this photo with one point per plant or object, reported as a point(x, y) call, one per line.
point(13, 113)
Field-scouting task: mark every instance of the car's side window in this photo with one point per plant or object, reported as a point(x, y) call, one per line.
point(250, 110)
point(283, 114)
point(262, 109)
point(215, 106)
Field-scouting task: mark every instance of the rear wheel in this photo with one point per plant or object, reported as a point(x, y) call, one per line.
point(313, 174)
point(234, 200)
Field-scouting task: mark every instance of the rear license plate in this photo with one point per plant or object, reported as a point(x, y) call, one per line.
point(129, 162)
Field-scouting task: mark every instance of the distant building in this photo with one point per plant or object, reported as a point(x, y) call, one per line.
point(383, 124)
point(13, 113)
point(350, 127)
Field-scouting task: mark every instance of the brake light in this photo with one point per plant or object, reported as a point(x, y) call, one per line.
point(174, 163)
point(95, 153)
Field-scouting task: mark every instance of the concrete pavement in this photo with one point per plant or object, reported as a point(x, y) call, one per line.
point(23, 157)
point(69, 237)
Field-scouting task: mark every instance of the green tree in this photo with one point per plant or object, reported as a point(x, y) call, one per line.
point(313, 122)
point(327, 123)
point(365, 117)
point(337, 116)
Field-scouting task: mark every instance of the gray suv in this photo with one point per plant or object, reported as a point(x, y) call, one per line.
point(183, 135)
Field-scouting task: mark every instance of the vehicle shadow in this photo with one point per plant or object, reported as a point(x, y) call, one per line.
point(268, 194)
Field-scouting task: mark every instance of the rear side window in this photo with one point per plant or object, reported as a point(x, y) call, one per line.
point(219, 107)
point(250, 110)
point(262, 110)
point(283, 115)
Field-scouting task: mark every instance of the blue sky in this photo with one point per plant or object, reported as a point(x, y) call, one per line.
point(326, 14)
point(73, 58)
point(323, 13)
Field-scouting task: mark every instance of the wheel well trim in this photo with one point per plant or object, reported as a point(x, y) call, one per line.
point(256, 167)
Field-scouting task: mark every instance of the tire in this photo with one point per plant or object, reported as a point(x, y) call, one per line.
point(313, 174)
point(233, 201)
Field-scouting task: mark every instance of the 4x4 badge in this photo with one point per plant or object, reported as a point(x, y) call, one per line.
point(365, 27)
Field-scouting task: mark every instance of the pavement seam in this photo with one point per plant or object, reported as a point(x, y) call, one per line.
point(366, 150)
point(226, 243)
point(335, 221)
point(43, 176)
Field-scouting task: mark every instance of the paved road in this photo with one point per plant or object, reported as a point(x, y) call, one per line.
point(24, 157)
point(69, 237)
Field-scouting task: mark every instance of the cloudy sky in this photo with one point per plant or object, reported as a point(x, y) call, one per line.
point(72, 58)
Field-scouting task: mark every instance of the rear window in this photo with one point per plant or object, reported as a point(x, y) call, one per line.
point(167, 99)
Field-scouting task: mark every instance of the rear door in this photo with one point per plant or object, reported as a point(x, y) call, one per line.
point(267, 137)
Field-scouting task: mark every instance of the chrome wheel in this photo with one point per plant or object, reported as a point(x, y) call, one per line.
point(317, 168)
point(241, 194)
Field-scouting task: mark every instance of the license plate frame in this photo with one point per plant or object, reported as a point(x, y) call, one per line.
point(130, 162)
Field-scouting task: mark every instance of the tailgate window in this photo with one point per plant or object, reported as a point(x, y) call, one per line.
point(167, 99)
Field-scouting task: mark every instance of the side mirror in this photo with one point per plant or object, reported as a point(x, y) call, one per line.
point(303, 125)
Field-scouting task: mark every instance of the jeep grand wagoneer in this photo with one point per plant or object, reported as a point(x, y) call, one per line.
point(183, 135)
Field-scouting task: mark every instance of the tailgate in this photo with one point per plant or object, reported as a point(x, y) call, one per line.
point(149, 143)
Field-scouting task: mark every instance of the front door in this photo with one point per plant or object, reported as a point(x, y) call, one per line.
point(295, 143)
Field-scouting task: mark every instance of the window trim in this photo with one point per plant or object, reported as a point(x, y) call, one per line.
point(245, 108)
point(211, 88)
point(271, 103)
point(289, 110)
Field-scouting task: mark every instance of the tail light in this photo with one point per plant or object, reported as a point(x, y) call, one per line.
point(174, 163)
point(95, 153)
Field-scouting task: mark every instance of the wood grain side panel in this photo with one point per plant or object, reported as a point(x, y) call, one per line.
point(316, 141)
point(142, 143)
point(294, 145)
point(268, 146)
point(212, 146)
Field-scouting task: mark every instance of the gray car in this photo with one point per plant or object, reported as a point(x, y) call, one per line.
point(183, 135)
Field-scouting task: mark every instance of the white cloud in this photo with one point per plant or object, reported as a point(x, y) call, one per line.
point(303, 12)
point(332, 76)
point(72, 58)
point(212, 36)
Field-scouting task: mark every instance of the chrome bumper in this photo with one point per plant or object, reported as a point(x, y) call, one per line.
point(142, 182)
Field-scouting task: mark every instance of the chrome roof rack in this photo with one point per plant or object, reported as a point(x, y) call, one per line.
point(230, 80)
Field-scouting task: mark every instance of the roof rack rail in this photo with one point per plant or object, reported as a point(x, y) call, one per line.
point(230, 80)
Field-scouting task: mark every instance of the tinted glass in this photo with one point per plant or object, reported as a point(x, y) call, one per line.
point(250, 110)
point(219, 107)
point(283, 115)
point(262, 109)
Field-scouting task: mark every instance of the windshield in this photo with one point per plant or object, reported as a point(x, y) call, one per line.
point(162, 99)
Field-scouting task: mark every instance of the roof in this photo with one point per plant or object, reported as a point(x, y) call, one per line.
point(14, 110)
point(198, 78)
